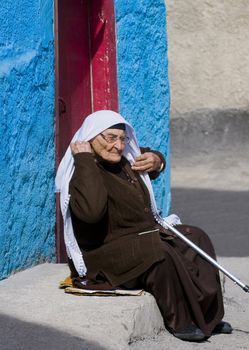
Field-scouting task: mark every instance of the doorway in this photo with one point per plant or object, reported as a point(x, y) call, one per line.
point(85, 70)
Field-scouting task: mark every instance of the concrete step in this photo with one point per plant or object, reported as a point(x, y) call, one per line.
point(36, 314)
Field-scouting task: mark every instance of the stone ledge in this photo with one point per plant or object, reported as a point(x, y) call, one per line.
point(31, 299)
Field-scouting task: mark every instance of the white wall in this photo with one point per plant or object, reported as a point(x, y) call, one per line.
point(208, 45)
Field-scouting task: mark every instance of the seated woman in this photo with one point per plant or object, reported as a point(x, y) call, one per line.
point(111, 219)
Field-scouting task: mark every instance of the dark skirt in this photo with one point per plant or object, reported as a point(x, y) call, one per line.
point(186, 287)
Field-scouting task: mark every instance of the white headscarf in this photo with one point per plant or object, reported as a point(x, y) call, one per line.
point(93, 125)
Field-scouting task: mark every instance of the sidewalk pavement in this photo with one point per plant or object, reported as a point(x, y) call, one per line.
point(37, 315)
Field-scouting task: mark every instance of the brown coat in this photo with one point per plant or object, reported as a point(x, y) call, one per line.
point(109, 208)
point(110, 205)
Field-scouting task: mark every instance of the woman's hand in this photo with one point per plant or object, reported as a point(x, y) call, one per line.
point(147, 161)
point(80, 147)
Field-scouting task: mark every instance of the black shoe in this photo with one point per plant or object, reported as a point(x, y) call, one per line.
point(223, 328)
point(190, 333)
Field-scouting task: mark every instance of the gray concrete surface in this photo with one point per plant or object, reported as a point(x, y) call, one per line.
point(36, 315)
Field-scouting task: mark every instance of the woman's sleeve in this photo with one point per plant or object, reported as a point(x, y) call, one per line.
point(88, 199)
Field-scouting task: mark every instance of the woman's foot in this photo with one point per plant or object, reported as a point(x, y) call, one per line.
point(223, 328)
point(190, 333)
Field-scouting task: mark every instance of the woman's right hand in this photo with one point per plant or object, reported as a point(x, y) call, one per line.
point(80, 147)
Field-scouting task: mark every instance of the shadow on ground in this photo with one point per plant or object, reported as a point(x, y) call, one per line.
point(223, 215)
point(20, 335)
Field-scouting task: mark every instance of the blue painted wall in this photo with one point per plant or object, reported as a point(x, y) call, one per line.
point(143, 78)
point(27, 210)
point(27, 134)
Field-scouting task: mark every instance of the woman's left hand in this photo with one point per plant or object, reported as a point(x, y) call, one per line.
point(147, 161)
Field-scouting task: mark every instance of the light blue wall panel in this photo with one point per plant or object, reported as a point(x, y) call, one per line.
point(143, 78)
point(27, 134)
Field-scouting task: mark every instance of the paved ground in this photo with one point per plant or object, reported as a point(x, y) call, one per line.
point(213, 192)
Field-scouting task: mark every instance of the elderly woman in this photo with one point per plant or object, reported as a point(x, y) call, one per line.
point(115, 237)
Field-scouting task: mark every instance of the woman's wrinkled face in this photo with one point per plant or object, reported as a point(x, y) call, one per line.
point(109, 145)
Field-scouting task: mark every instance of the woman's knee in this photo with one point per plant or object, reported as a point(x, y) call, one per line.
point(195, 232)
point(199, 237)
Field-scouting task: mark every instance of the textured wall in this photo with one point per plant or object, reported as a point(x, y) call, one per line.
point(27, 135)
point(208, 56)
point(143, 78)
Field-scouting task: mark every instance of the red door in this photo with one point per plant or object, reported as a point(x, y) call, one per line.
point(85, 72)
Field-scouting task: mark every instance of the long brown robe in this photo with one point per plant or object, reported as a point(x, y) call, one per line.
point(110, 206)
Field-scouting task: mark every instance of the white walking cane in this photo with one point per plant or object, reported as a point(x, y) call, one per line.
point(245, 287)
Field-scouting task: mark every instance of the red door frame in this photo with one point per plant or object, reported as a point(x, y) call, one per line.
point(103, 55)
point(103, 81)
